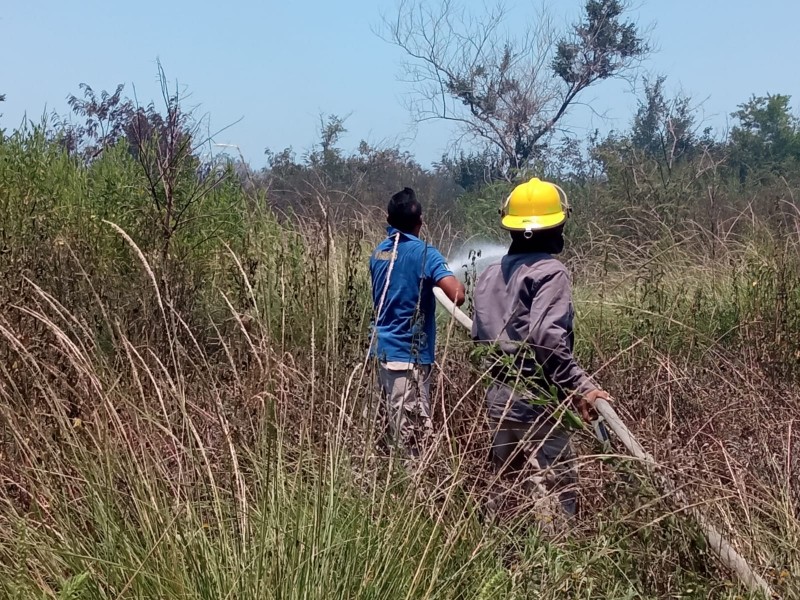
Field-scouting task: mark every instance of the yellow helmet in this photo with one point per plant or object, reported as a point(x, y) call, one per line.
point(534, 205)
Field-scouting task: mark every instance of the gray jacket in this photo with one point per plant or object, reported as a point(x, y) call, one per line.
point(523, 307)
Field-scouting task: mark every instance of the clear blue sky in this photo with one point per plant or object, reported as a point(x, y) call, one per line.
point(278, 65)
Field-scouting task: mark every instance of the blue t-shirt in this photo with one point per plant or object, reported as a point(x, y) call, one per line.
point(406, 327)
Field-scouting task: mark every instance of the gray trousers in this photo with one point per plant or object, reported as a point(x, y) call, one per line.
point(538, 454)
point(406, 397)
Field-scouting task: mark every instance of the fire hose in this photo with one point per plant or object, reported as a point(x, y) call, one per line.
point(726, 553)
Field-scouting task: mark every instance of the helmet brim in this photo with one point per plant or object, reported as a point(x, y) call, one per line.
point(538, 223)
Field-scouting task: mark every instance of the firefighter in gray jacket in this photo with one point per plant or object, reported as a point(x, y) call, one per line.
point(523, 314)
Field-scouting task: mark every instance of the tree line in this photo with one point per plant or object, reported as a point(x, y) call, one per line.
point(508, 95)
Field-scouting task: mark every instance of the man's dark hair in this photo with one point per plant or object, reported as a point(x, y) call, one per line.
point(404, 211)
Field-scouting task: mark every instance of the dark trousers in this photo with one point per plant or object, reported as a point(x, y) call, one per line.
point(540, 454)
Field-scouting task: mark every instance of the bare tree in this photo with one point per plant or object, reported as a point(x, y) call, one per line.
point(508, 93)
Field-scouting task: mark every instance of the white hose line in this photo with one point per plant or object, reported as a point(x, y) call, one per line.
point(452, 309)
point(718, 544)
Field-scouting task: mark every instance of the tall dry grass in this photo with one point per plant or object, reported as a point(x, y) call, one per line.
point(199, 425)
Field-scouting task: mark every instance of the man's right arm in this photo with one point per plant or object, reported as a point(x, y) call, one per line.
point(438, 271)
point(549, 333)
point(551, 325)
point(453, 289)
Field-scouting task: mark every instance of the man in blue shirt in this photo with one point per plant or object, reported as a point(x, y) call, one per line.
point(404, 270)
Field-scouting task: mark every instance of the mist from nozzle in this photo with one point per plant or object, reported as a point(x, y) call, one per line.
point(482, 252)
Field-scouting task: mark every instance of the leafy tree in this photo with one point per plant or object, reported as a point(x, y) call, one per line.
point(663, 129)
point(105, 117)
point(509, 94)
point(663, 162)
point(663, 133)
point(767, 137)
point(327, 156)
point(470, 170)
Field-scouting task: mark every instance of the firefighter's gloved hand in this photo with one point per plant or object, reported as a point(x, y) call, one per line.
point(586, 403)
